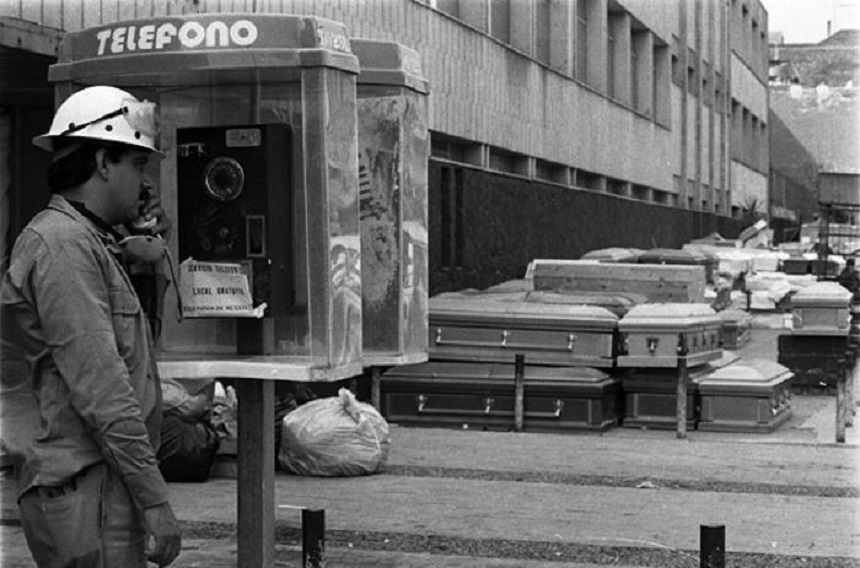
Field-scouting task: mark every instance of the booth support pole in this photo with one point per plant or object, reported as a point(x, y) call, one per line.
point(256, 476)
point(376, 387)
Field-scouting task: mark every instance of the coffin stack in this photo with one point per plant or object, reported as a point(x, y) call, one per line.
point(598, 353)
point(816, 347)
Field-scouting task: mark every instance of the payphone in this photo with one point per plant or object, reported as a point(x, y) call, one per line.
point(234, 201)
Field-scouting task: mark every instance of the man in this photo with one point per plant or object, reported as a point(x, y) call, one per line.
point(80, 388)
point(849, 278)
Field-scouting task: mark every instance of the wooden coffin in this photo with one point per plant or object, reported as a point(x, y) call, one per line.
point(651, 396)
point(685, 257)
point(736, 329)
point(546, 334)
point(619, 303)
point(823, 308)
point(481, 395)
point(652, 335)
point(748, 396)
point(658, 283)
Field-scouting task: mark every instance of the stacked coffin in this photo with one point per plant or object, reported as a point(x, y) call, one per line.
point(654, 338)
point(569, 350)
point(481, 395)
point(724, 393)
point(816, 349)
point(602, 343)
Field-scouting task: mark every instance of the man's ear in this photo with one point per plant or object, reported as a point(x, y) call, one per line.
point(102, 163)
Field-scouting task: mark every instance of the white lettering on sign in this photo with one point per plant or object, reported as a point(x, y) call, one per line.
point(333, 40)
point(190, 35)
point(210, 289)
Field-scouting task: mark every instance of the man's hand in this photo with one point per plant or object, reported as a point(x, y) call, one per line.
point(153, 211)
point(164, 528)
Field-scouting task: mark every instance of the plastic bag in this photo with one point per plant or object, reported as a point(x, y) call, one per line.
point(335, 436)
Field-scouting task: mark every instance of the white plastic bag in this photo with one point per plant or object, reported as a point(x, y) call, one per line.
point(335, 436)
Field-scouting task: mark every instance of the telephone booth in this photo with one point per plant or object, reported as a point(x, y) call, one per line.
point(260, 175)
point(393, 149)
point(258, 128)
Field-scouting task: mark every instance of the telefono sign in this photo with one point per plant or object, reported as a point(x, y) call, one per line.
point(190, 35)
point(205, 32)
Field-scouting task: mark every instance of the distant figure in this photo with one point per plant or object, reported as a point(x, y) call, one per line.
point(850, 280)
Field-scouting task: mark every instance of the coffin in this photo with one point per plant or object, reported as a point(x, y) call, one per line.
point(748, 396)
point(823, 308)
point(658, 283)
point(546, 334)
point(687, 257)
point(736, 329)
point(651, 396)
point(481, 395)
point(815, 360)
point(653, 334)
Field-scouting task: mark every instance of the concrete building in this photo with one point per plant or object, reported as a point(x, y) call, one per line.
point(558, 126)
point(819, 106)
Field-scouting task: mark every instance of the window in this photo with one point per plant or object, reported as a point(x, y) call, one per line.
point(503, 161)
point(447, 149)
point(610, 62)
point(500, 20)
point(581, 41)
point(616, 186)
point(550, 171)
point(589, 180)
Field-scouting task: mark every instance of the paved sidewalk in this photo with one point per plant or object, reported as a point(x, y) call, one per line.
point(464, 485)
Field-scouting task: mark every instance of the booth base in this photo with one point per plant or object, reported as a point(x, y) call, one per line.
point(482, 396)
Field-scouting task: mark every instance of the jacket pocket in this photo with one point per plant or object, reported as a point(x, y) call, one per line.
point(127, 318)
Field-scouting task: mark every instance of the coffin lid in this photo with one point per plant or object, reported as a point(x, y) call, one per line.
point(670, 256)
point(735, 315)
point(749, 370)
point(674, 314)
point(822, 294)
point(625, 299)
point(695, 374)
point(486, 308)
point(449, 369)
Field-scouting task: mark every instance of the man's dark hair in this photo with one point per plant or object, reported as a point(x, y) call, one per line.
point(71, 171)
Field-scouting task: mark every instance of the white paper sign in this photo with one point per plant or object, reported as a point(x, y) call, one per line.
point(216, 289)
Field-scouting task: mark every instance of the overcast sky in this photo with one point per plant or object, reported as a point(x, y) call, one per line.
point(805, 21)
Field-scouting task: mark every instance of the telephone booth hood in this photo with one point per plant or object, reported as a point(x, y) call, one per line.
point(393, 150)
point(263, 106)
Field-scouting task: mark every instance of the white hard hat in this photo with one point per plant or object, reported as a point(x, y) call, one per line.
point(103, 113)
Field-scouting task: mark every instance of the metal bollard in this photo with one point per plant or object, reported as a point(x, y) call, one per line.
point(712, 546)
point(313, 538)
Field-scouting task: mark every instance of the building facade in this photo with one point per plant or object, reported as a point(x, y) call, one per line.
point(558, 126)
